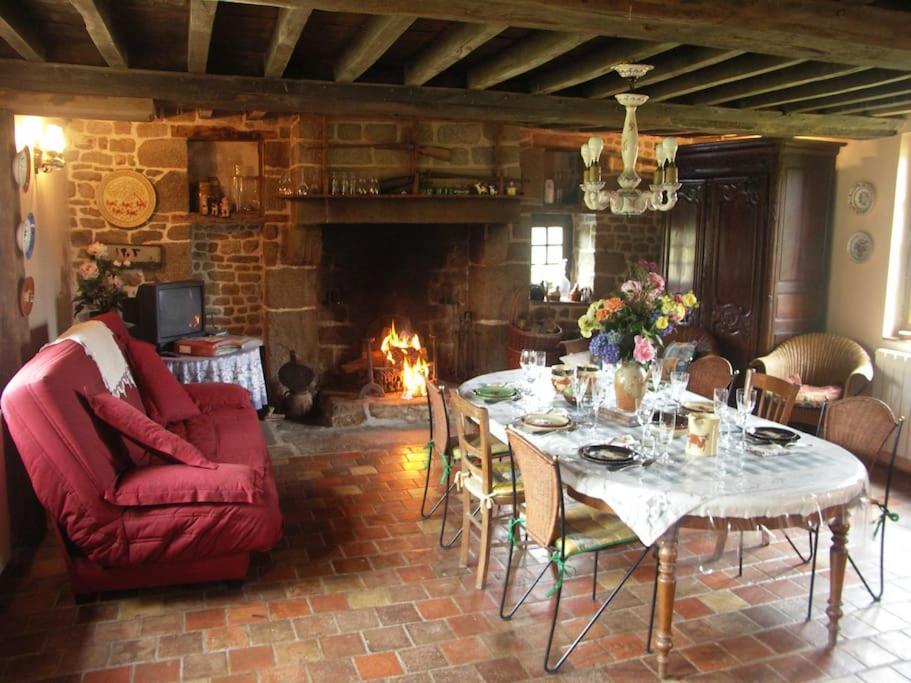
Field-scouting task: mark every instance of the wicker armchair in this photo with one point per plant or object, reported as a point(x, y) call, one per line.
point(705, 341)
point(820, 359)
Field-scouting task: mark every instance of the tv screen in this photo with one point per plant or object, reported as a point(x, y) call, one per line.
point(179, 312)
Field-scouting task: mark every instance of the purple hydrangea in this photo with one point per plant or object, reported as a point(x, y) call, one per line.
point(602, 347)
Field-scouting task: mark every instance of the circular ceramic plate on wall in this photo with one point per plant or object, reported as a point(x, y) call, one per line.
point(26, 234)
point(860, 246)
point(26, 296)
point(126, 199)
point(861, 197)
point(22, 168)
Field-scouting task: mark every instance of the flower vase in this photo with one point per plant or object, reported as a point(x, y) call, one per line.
point(629, 385)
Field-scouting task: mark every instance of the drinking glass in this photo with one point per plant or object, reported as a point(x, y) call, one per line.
point(746, 401)
point(679, 382)
point(654, 376)
point(598, 395)
point(529, 367)
point(345, 184)
point(645, 412)
point(581, 387)
point(666, 428)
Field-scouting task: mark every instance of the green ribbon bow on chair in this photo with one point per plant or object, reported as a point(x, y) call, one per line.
point(511, 529)
point(562, 570)
point(429, 448)
point(885, 512)
point(447, 465)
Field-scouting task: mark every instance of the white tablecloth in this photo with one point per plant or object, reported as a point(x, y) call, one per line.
point(243, 368)
point(805, 479)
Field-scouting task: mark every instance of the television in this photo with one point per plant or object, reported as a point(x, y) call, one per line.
point(163, 312)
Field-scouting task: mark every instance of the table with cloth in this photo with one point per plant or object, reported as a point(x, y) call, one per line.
point(243, 368)
point(809, 483)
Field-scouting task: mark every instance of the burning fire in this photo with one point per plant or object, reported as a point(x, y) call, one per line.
point(405, 353)
point(194, 323)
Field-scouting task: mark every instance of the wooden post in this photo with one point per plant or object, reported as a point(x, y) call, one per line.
point(667, 586)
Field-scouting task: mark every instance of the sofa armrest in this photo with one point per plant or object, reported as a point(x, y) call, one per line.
point(182, 484)
point(211, 396)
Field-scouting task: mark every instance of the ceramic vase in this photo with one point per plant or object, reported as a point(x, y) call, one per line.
point(629, 385)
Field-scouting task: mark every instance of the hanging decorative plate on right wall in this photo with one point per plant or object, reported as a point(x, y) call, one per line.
point(861, 197)
point(860, 246)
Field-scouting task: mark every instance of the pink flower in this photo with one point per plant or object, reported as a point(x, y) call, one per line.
point(656, 281)
point(88, 270)
point(632, 288)
point(96, 250)
point(644, 351)
point(648, 265)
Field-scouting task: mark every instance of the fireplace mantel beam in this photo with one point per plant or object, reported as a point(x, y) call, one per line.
point(244, 93)
point(288, 28)
point(370, 44)
point(97, 18)
point(806, 29)
point(456, 44)
point(202, 16)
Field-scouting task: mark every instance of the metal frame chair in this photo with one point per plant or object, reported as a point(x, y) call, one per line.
point(545, 523)
point(864, 414)
point(439, 425)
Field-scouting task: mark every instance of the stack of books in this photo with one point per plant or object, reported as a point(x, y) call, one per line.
point(216, 345)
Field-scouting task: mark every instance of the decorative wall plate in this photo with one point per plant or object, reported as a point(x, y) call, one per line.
point(860, 246)
point(126, 199)
point(22, 168)
point(861, 197)
point(26, 295)
point(26, 234)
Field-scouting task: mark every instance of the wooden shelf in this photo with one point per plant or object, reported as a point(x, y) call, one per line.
point(405, 208)
point(400, 197)
point(235, 219)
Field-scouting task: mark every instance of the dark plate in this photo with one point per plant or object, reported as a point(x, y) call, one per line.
point(773, 434)
point(607, 454)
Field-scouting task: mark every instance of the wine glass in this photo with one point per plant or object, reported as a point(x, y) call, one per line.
point(598, 390)
point(746, 401)
point(645, 412)
point(679, 382)
point(529, 367)
point(654, 376)
point(666, 428)
point(581, 384)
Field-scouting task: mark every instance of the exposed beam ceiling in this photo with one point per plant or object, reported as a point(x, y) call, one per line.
point(97, 17)
point(526, 55)
point(238, 93)
point(670, 66)
point(78, 106)
point(802, 29)
point(288, 28)
point(886, 105)
point(719, 74)
point(835, 86)
point(373, 40)
point(789, 78)
point(202, 16)
point(866, 95)
point(598, 63)
point(19, 32)
point(455, 44)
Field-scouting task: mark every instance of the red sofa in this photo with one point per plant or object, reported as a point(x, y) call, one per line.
point(74, 463)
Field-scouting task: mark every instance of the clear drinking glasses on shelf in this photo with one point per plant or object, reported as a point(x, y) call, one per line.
point(746, 401)
point(679, 382)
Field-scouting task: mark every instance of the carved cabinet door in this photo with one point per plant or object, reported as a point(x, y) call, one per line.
point(733, 263)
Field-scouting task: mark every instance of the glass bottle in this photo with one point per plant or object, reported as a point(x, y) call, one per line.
point(237, 189)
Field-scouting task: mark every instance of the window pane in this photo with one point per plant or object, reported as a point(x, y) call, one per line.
point(538, 235)
point(555, 234)
point(555, 253)
point(538, 255)
point(538, 274)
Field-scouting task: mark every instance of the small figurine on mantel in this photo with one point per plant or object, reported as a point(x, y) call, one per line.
point(224, 207)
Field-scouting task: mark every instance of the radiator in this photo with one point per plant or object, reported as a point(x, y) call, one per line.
point(892, 384)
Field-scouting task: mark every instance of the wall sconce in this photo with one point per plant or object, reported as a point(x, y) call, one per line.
point(46, 141)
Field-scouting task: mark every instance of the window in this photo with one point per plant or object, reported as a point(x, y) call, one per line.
point(551, 249)
point(897, 318)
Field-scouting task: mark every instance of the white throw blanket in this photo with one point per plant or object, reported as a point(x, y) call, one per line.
point(99, 344)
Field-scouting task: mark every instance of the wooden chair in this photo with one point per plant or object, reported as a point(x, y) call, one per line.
point(483, 477)
point(776, 397)
point(709, 373)
point(565, 531)
point(863, 425)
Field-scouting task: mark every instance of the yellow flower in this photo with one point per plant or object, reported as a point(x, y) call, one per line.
point(661, 323)
point(690, 300)
point(679, 311)
point(667, 304)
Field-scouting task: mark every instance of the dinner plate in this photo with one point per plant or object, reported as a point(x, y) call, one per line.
point(698, 406)
point(495, 392)
point(546, 421)
point(777, 435)
point(607, 454)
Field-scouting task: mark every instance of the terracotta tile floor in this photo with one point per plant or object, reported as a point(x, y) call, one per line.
point(359, 590)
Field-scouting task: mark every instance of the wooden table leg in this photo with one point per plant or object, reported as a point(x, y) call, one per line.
point(667, 585)
point(838, 556)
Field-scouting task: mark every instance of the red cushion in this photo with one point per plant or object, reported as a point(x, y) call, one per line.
point(134, 425)
point(165, 398)
point(176, 484)
point(116, 325)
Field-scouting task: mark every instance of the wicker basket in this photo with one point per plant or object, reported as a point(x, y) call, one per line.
point(518, 339)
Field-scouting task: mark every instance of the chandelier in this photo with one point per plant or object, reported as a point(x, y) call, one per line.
point(628, 200)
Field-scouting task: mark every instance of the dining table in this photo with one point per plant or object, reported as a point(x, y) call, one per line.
point(807, 484)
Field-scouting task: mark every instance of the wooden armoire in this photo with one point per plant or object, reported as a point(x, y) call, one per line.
point(750, 236)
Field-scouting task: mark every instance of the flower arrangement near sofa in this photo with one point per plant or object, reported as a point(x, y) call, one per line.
point(98, 282)
point(627, 327)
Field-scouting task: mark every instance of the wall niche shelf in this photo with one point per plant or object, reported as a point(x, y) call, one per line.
point(234, 219)
point(405, 208)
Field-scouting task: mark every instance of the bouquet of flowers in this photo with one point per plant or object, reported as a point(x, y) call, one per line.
point(630, 324)
point(98, 281)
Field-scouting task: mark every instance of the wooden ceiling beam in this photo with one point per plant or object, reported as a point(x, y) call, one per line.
point(746, 66)
point(670, 66)
point(78, 106)
point(243, 93)
point(778, 80)
point(19, 32)
point(834, 86)
point(371, 43)
point(866, 95)
point(288, 28)
point(526, 55)
point(199, 35)
point(891, 103)
point(97, 17)
point(801, 29)
point(455, 44)
point(596, 64)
